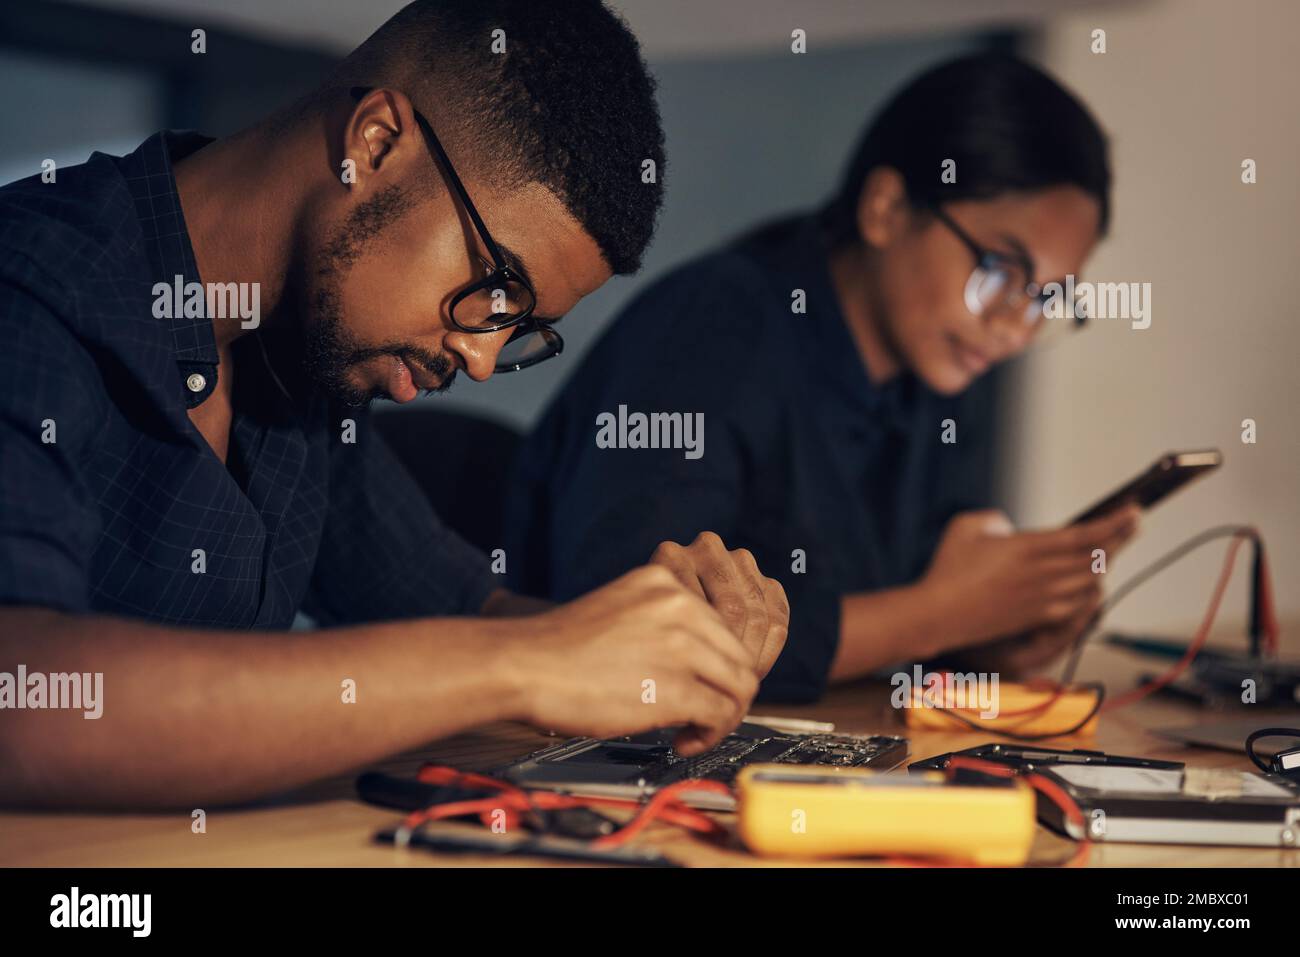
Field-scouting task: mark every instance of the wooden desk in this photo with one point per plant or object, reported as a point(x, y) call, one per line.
point(327, 826)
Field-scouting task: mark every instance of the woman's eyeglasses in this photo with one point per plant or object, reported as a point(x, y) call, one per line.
point(502, 298)
point(1001, 282)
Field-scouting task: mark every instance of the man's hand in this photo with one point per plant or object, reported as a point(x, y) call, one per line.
point(1040, 586)
point(753, 606)
point(642, 652)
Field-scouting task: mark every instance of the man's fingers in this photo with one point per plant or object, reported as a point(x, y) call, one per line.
point(733, 587)
point(778, 626)
point(707, 569)
point(751, 605)
point(693, 740)
point(675, 558)
point(711, 716)
point(714, 631)
point(769, 621)
point(725, 673)
point(776, 608)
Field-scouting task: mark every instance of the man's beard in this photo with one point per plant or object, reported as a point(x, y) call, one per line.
point(329, 351)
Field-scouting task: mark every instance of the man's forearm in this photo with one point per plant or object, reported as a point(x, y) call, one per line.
point(506, 604)
point(196, 717)
point(884, 627)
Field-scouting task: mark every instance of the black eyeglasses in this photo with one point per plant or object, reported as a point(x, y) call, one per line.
point(1000, 281)
point(503, 298)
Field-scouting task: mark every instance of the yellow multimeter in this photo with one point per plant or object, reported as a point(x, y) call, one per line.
point(814, 812)
point(1022, 710)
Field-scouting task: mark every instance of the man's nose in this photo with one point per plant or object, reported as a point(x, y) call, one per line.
point(478, 350)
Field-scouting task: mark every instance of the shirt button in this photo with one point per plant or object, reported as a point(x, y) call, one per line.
point(195, 382)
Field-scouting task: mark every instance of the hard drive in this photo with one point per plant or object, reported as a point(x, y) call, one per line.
point(1188, 806)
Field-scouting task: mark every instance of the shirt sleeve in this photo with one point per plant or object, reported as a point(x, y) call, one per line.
point(49, 415)
point(384, 552)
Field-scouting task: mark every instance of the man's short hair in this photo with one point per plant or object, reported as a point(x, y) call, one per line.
point(560, 96)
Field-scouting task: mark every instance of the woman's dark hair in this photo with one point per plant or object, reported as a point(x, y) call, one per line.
point(1008, 125)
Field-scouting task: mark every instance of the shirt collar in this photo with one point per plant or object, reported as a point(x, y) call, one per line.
point(152, 183)
point(802, 260)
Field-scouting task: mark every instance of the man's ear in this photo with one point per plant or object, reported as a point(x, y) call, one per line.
point(380, 131)
point(884, 212)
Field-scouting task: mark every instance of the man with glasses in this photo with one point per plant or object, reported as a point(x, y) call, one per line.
point(836, 359)
point(176, 482)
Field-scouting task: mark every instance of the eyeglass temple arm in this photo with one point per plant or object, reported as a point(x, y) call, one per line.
point(978, 251)
point(432, 139)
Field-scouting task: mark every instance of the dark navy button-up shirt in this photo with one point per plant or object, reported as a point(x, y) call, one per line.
point(111, 501)
point(836, 484)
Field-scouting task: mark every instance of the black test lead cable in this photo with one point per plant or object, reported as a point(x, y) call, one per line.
point(1141, 577)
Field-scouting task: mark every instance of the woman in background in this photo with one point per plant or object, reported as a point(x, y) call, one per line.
point(836, 359)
